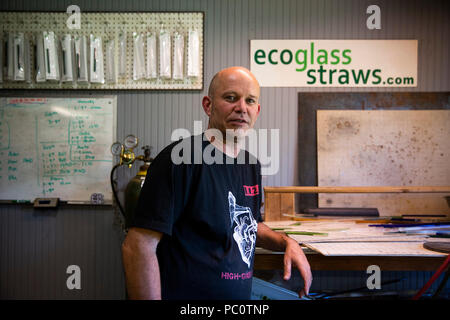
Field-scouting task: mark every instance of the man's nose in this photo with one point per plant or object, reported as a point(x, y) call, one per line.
point(241, 106)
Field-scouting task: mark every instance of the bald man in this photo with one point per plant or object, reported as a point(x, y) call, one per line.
point(196, 226)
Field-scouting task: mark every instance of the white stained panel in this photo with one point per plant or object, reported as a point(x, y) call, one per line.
point(384, 148)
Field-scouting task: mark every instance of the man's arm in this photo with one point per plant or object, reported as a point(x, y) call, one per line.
point(141, 264)
point(275, 241)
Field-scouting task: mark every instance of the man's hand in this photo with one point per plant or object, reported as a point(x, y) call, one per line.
point(294, 256)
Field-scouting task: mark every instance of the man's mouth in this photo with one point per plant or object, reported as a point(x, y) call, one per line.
point(238, 121)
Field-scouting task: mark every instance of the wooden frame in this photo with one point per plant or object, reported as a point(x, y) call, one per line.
point(281, 200)
point(274, 261)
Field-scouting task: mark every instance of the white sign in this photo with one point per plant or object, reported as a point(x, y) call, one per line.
point(334, 63)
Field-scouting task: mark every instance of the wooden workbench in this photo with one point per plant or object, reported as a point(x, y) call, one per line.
point(267, 260)
point(280, 203)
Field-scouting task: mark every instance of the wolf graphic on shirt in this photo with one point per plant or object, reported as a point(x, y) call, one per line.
point(245, 230)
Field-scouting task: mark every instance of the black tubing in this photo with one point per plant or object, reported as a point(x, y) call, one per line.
point(114, 190)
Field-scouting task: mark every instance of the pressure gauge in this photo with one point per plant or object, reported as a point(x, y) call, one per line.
point(116, 148)
point(131, 141)
point(128, 157)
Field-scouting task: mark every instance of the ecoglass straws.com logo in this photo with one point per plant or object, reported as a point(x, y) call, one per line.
point(334, 63)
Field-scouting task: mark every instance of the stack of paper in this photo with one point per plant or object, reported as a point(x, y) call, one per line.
point(345, 237)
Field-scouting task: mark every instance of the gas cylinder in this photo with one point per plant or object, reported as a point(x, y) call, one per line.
point(133, 189)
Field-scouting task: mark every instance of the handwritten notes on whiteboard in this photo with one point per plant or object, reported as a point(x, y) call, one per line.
point(56, 147)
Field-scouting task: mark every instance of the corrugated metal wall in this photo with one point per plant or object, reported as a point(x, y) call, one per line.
point(36, 248)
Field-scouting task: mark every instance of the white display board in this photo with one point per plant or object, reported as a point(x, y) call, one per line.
point(109, 26)
point(56, 148)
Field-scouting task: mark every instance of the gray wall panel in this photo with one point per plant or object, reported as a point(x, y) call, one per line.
point(36, 248)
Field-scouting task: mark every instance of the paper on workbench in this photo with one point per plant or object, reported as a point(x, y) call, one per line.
point(347, 238)
point(410, 248)
point(334, 228)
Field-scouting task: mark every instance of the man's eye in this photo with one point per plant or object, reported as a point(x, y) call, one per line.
point(251, 101)
point(230, 98)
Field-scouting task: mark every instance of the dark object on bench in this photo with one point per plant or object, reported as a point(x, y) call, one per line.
point(344, 212)
point(443, 247)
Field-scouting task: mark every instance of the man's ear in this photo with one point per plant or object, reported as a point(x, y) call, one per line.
point(207, 103)
point(259, 108)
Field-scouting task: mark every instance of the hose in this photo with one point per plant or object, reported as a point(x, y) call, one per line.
point(114, 190)
point(436, 275)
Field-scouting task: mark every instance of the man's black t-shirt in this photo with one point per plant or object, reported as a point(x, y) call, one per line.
point(208, 213)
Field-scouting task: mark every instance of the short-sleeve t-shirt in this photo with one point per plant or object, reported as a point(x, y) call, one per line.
point(207, 205)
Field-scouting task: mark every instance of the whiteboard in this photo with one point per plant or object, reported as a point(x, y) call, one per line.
point(384, 148)
point(56, 147)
